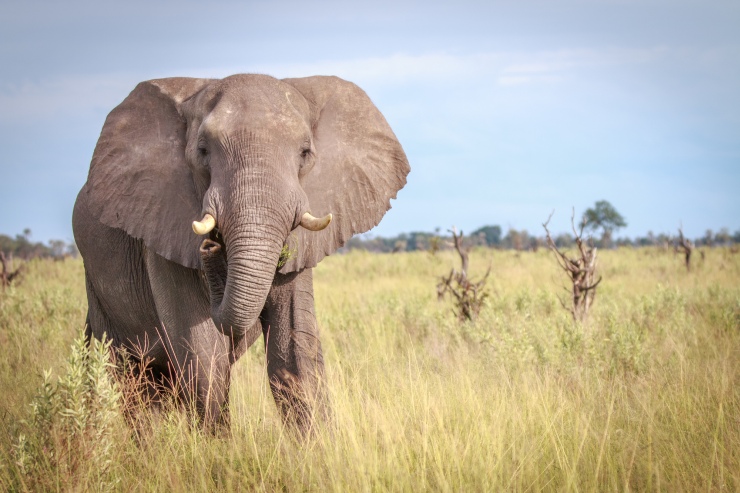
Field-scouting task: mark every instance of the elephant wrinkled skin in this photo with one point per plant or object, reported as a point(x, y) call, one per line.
point(255, 154)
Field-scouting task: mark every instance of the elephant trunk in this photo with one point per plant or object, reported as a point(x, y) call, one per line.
point(255, 209)
point(239, 284)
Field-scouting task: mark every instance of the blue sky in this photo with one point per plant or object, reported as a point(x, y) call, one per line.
point(506, 109)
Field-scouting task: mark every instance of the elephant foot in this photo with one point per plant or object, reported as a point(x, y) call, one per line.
point(295, 402)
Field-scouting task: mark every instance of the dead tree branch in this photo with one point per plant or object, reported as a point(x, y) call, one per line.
point(581, 271)
point(687, 246)
point(461, 250)
point(468, 296)
point(7, 277)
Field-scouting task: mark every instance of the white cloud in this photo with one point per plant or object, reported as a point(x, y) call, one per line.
point(68, 94)
point(508, 67)
point(391, 70)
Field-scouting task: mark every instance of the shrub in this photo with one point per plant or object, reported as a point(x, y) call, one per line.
point(68, 439)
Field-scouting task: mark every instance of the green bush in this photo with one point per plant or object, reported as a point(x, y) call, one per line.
point(68, 438)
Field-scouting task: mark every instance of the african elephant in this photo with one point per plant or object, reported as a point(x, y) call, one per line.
point(196, 228)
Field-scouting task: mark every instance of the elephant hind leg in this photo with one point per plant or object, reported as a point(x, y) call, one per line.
point(88, 330)
point(143, 388)
point(97, 322)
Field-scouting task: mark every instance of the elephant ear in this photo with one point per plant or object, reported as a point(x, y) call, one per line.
point(360, 166)
point(139, 180)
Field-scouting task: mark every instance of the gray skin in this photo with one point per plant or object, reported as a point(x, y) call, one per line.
point(256, 153)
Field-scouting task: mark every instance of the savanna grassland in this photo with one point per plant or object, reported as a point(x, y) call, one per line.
point(644, 396)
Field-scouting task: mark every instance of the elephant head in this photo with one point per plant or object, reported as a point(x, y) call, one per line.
point(251, 155)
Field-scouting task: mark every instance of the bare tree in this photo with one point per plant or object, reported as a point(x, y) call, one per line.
point(7, 277)
point(687, 246)
point(469, 296)
point(581, 271)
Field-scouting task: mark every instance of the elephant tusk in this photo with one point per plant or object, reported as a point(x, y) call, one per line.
point(205, 226)
point(315, 223)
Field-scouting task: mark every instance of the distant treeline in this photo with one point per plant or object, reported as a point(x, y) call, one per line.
point(493, 237)
point(488, 236)
point(22, 247)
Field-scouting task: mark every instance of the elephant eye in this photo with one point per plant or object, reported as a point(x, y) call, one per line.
point(202, 151)
point(306, 147)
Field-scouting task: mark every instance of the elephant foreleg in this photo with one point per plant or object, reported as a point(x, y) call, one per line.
point(295, 365)
point(199, 357)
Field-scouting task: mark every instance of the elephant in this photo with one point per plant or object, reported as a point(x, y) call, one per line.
point(197, 230)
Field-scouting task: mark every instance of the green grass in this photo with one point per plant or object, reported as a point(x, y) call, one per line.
point(644, 396)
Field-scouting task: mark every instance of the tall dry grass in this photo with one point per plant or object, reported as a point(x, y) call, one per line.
point(643, 396)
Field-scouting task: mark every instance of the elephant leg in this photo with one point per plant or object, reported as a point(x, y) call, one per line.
point(199, 356)
point(97, 322)
point(121, 308)
point(88, 330)
point(295, 365)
